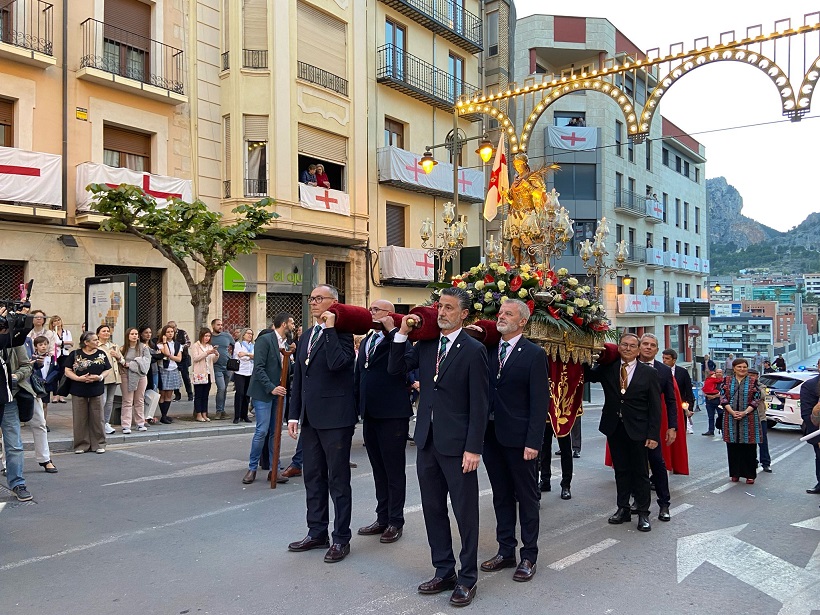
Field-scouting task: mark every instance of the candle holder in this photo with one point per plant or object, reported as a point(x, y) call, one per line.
point(447, 244)
point(594, 254)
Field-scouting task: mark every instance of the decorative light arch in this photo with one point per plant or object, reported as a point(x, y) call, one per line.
point(503, 119)
point(806, 91)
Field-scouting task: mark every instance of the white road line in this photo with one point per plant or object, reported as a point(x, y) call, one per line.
point(723, 488)
point(2, 506)
point(680, 508)
point(568, 561)
point(145, 457)
point(417, 507)
point(229, 465)
point(788, 453)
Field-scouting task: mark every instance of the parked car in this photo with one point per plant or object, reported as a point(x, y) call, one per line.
point(781, 391)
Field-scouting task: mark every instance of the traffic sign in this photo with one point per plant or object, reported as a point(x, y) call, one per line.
point(694, 331)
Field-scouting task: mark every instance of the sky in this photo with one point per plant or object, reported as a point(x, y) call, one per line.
point(774, 167)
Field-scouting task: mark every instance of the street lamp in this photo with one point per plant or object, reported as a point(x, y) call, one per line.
point(448, 243)
point(596, 252)
point(717, 288)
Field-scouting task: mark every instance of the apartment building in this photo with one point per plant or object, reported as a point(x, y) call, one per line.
point(741, 335)
point(652, 193)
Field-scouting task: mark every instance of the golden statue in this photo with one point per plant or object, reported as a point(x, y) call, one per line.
point(526, 196)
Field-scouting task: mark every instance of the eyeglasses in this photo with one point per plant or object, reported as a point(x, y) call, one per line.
point(377, 309)
point(318, 299)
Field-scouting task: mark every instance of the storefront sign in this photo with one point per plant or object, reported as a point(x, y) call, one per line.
point(284, 274)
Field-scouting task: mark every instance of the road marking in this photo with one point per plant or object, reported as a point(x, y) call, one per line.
point(680, 508)
point(2, 506)
point(568, 561)
point(145, 457)
point(794, 587)
point(789, 452)
point(723, 488)
point(814, 561)
point(417, 507)
point(229, 465)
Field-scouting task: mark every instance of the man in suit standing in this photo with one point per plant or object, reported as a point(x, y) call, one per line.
point(450, 425)
point(519, 398)
point(631, 421)
point(322, 397)
point(383, 402)
point(682, 377)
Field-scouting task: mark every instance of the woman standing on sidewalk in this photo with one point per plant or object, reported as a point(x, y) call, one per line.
point(243, 350)
point(170, 380)
point(740, 396)
point(113, 377)
point(203, 356)
point(87, 368)
point(135, 363)
point(63, 347)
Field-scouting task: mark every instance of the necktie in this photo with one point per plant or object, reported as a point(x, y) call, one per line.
point(314, 336)
point(624, 378)
point(442, 352)
point(370, 348)
point(502, 354)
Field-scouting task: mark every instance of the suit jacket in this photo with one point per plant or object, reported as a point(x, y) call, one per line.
point(684, 381)
point(267, 368)
point(808, 399)
point(323, 389)
point(640, 406)
point(519, 400)
point(668, 391)
point(455, 404)
point(379, 394)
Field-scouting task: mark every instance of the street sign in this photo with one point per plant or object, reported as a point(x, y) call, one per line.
point(694, 331)
point(694, 308)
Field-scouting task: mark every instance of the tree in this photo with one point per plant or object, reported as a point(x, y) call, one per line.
point(187, 234)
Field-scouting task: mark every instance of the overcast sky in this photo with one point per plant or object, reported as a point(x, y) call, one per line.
point(773, 167)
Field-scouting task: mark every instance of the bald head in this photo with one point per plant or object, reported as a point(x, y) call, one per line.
point(383, 304)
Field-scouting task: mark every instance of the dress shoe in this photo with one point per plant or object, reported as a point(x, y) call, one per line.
point(622, 515)
point(462, 595)
point(280, 480)
point(336, 553)
point(735, 479)
point(814, 490)
point(545, 486)
point(497, 563)
point(643, 523)
point(391, 534)
point(308, 542)
point(565, 493)
point(525, 571)
point(292, 471)
point(708, 433)
point(664, 515)
point(249, 477)
point(372, 529)
point(576, 455)
point(750, 481)
point(436, 585)
point(767, 469)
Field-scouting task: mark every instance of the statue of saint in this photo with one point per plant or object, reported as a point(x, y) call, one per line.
point(526, 196)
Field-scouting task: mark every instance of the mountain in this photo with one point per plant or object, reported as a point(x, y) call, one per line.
point(737, 242)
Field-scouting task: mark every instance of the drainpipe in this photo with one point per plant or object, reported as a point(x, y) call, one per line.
point(64, 178)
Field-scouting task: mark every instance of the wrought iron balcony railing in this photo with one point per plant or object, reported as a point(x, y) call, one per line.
point(419, 79)
point(226, 60)
point(226, 189)
point(447, 18)
point(123, 53)
point(254, 58)
point(630, 202)
point(256, 187)
point(321, 77)
point(28, 24)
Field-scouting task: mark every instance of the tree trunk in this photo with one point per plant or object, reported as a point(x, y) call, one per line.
point(201, 300)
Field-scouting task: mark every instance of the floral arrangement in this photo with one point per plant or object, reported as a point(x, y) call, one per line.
point(554, 297)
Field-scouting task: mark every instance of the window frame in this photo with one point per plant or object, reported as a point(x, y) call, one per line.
point(393, 128)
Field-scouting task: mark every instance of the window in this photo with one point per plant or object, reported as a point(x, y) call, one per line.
point(697, 251)
point(336, 275)
point(126, 149)
point(680, 289)
point(255, 33)
point(697, 290)
point(492, 34)
point(127, 38)
point(227, 128)
point(576, 181)
point(697, 219)
point(619, 188)
point(665, 207)
point(685, 215)
point(322, 147)
point(540, 70)
point(649, 241)
point(455, 15)
point(619, 129)
point(619, 232)
point(631, 185)
point(665, 157)
point(455, 67)
point(584, 229)
point(686, 249)
point(631, 237)
point(650, 284)
point(687, 290)
point(629, 85)
point(256, 155)
point(321, 39)
point(677, 247)
point(648, 148)
point(394, 219)
point(6, 124)
point(686, 168)
point(393, 133)
point(666, 244)
point(677, 213)
point(395, 35)
point(697, 175)
point(563, 118)
point(630, 146)
point(678, 163)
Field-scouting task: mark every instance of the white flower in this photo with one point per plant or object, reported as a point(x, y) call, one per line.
point(479, 285)
point(580, 302)
point(504, 298)
point(462, 284)
point(502, 285)
point(572, 281)
point(586, 289)
point(562, 271)
point(522, 293)
point(488, 296)
point(525, 268)
point(477, 306)
point(570, 310)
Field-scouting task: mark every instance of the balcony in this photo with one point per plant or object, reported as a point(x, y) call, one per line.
point(26, 32)
point(654, 211)
point(642, 304)
point(226, 189)
point(419, 79)
point(637, 254)
point(133, 63)
point(255, 187)
point(254, 58)
point(630, 203)
point(226, 60)
point(322, 78)
point(447, 18)
point(30, 185)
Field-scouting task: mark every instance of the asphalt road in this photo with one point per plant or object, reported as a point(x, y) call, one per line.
point(168, 528)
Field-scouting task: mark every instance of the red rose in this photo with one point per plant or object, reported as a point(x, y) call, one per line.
point(531, 305)
point(554, 313)
point(488, 279)
point(515, 283)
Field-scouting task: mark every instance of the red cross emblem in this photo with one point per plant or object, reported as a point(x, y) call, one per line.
point(684, 261)
point(426, 264)
point(573, 138)
point(658, 209)
point(463, 183)
point(326, 199)
point(7, 169)
point(415, 169)
point(656, 303)
point(658, 257)
point(674, 260)
point(636, 302)
point(146, 188)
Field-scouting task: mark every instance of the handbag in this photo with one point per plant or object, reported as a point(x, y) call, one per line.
point(233, 365)
point(38, 383)
point(64, 388)
point(199, 378)
point(25, 405)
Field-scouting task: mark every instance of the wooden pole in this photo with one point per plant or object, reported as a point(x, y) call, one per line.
point(276, 424)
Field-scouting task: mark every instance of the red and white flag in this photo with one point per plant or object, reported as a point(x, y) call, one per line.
point(30, 177)
point(499, 182)
point(576, 138)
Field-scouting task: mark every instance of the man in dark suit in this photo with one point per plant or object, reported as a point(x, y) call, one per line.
point(809, 398)
point(450, 425)
point(684, 380)
point(383, 402)
point(660, 476)
point(519, 398)
point(322, 397)
point(631, 421)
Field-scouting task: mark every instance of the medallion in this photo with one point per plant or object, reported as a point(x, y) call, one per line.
point(623, 391)
point(365, 364)
point(307, 361)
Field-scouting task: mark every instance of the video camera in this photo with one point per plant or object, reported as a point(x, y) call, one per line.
point(15, 323)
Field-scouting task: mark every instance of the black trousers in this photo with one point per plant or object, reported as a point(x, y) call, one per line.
point(240, 398)
point(326, 470)
point(185, 373)
point(386, 448)
point(660, 477)
point(565, 445)
point(201, 397)
point(513, 479)
point(629, 459)
point(440, 475)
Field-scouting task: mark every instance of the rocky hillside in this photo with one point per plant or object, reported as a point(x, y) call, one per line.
point(737, 242)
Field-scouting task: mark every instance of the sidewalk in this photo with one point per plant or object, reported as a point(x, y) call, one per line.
point(60, 439)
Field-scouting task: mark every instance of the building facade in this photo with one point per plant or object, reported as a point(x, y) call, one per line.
point(742, 335)
point(653, 193)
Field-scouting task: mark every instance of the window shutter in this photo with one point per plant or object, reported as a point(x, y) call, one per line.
point(6, 111)
point(321, 40)
point(256, 127)
point(255, 24)
point(323, 145)
point(226, 25)
point(121, 140)
point(395, 225)
point(227, 147)
point(130, 15)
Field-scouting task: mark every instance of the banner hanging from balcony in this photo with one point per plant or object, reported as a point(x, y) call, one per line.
point(414, 264)
point(401, 167)
point(160, 187)
point(575, 138)
point(322, 199)
point(30, 177)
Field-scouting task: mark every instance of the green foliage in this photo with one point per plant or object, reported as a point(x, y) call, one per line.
point(728, 259)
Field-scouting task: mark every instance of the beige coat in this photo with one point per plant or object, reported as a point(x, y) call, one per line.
point(113, 376)
point(203, 363)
